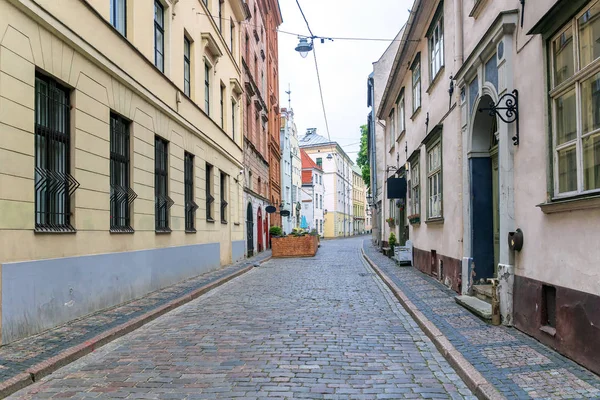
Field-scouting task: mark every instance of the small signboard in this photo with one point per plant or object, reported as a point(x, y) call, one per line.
point(271, 209)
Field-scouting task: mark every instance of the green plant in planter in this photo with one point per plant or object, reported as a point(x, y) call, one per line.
point(276, 231)
point(392, 241)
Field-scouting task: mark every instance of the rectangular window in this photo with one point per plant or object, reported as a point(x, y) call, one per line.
point(319, 162)
point(401, 116)
point(209, 192)
point(224, 198)
point(121, 194)
point(434, 181)
point(548, 306)
point(207, 88)
point(118, 15)
point(416, 82)
point(233, 124)
point(188, 188)
point(161, 185)
point(392, 129)
point(576, 104)
point(222, 102)
point(221, 16)
point(53, 183)
point(436, 46)
point(159, 36)
point(415, 192)
point(231, 34)
point(186, 67)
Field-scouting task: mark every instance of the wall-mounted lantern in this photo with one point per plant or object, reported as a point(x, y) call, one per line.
point(515, 240)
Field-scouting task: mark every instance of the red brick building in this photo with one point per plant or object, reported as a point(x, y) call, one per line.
point(272, 18)
point(256, 137)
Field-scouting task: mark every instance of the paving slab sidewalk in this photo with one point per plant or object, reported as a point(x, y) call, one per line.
point(516, 365)
point(27, 360)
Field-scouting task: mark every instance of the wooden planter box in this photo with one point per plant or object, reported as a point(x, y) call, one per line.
point(294, 246)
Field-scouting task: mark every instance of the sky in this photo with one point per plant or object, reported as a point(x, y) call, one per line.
point(344, 66)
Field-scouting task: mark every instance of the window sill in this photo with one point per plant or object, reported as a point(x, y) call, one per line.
point(435, 80)
point(68, 231)
point(548, 330)
point(162, 231)
point(401, 135)
point(121, 231)
point(570, 204)
point(415, 113)
point(435, 221)
point(212, 221)
point(191, 231)
point(236, 223)
point(224, 222)
point(392, 148)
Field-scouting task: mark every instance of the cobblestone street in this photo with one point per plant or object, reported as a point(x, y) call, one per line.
point(322, 328)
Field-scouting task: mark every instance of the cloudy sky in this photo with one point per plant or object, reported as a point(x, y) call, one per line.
point(344, 66)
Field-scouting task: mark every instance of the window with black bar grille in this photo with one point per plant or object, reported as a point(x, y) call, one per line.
point(54, 184)
point(161, 184)
point(223, 198)
point(121, 194)
point(209, 197)
point(188, 182)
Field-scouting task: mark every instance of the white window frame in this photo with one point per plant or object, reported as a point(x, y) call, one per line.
point(574, 82)
point(120, 24)
point(436, 47)
point(416, 84)
point(392, 122)
point(415, 188)
point(434, 178)
point(401, 115)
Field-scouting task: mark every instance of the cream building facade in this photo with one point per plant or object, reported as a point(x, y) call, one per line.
point(337, 182)
point(490, 195)
point(120, 155)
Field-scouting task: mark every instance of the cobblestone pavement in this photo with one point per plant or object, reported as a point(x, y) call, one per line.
point(517, 365)
point(18, 356)
point(319, 328)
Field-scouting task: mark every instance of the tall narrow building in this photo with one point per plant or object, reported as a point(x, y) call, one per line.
point(272, 18)
point(256, 137)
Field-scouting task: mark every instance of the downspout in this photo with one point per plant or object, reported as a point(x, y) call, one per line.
point(458, 26)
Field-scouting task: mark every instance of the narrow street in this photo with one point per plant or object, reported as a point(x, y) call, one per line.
point(321, 328)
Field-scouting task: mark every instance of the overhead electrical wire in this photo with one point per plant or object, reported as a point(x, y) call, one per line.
point(330, 38)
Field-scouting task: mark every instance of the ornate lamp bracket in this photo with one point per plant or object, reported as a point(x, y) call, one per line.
point(509, 113)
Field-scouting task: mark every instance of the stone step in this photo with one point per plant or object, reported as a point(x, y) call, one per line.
point(483, 292)
point(476, 306)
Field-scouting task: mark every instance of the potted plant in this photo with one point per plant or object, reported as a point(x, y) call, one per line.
point(391, 222)
point(392, 242)
point(414, 219)
point(276, 231)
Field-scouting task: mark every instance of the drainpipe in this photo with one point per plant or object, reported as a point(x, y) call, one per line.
point(458, 37)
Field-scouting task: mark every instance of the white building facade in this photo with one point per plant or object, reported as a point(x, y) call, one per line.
point(313, 193)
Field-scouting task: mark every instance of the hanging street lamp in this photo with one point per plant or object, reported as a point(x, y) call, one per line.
point(304, 47)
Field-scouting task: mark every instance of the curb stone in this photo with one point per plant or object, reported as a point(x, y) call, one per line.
point(480, 386)
point(46, 367)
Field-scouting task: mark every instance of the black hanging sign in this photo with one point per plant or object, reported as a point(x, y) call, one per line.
point(396, 188)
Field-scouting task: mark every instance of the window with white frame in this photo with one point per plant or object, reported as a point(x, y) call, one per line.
point(159, 36)
point(392, 123)
point(118, 15)
point(575, 94)
point(434, 180)
point(415, 189)
point(436, 44)
point(416, 84)
point(401, 119)
point(186, 67)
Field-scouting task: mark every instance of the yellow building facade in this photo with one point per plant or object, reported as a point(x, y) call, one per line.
point(358, 200)
point(120, 152)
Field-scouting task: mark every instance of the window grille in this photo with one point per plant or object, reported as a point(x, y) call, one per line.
point(161, 185)
point(121, 194)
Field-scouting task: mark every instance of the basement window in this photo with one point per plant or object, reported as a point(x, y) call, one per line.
point(548, 320)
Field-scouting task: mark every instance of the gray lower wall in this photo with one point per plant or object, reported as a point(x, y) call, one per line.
point(238, 250)
point(37, 295)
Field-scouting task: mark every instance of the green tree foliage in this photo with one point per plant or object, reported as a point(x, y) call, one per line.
point(363, 159)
